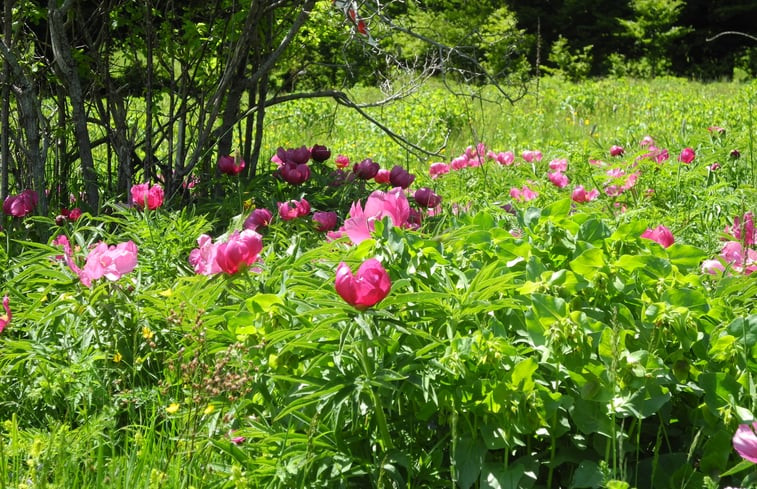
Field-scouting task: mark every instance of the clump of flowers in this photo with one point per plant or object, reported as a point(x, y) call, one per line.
point(111, 262)
point(523, 194)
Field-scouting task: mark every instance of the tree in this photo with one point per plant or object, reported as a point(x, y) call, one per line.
point(163, 89)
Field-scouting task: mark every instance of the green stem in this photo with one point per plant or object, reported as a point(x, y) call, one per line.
point(385, 437)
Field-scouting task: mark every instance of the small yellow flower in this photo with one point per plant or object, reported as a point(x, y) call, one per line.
point(172, 408)
point(147, 333)
point(166, 293)
point(209, 409)
point(117, 357)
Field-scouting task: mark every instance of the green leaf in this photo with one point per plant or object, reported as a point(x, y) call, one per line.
point(522, 374)
point(263, 303)
point(469, 458)
point(588, 263)
point(588, 474)
point(690, 299)
point(593, 230)
point(495, 476)
point(686, 256)
point(744, 329)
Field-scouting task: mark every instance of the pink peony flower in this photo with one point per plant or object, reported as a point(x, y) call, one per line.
point(259, 218)
point(505, 158)
point(745, 232)
point(392, 204)
point(293, 209)
point(366, 288)
point(239, 251)
point(325, 221)
point(22, 204)
point(437, 169)
point(616, 150)
point(558, 164)
point(143, 195)
point(742, 260)
point(203, 258)
point(459, 163)
point(382, 176)
point(531, 155)
point(559, 179)
point(687, 156)
point(660, 234)
point(713, 267)
point(230, 165)
point(745, 442)
point(647, 141)
point(524, 194)
point(581, 195)
point(110, 262)
point(342, 161)
point(5, 319)
point(716, 130)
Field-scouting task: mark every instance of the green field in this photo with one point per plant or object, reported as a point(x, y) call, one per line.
point(531, 343)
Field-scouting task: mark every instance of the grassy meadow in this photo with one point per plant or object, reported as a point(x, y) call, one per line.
point(531, 338)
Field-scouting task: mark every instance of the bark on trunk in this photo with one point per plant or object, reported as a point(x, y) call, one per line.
point(68, 72)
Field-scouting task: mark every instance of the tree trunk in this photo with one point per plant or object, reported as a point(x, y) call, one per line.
point(68, 72)
point(5, 153)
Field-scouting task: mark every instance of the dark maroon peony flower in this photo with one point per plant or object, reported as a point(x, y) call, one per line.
point(399, 177)
point(366, 169)
point(320, 153)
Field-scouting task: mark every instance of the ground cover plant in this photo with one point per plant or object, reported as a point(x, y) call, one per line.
point(564, 298)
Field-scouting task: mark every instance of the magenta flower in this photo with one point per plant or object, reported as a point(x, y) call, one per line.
point(392, 204)
point(581, 195)
point(203, 258)
point(742, 260)
point(293, 209)
point(531, 155)
point(647, 141)
point(230, 165)
point(660, 234)
point(259, 218)
point(713, 267)
point(22, 204)
point(366, 169)
point(745, 442)
point(716, 130)
point(745, 232)
point(5, 319)
point(110, 262)
point(239, 251)
point(559, 179)
point(342, 161)
point(425, 197)
point(504, 158)
point(687, 156)
point(298, 156)
point(399, 177)
point(294, 173)
point(616, 150)
point(524, 194)
point(459, 163)
point(437, 169)
point(325, 221)
point(366, 288)
point(558, 164)
point(382, 176)
point(143, 195)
